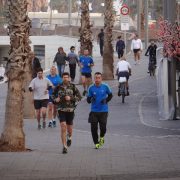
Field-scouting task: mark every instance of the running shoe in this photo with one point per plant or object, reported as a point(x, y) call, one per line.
point(84, 92)
point(97, 146)
point(39, 126)
point(64, 151)
point(44, 125)
point(101, 141)
point(50, 124)
point(54, 123)
point(69, 141)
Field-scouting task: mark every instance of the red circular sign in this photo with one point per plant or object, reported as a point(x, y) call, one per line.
point(124, 10)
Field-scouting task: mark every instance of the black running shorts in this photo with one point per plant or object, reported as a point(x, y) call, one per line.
point(136, 50)
point(38, 104)
point(66, 117)
point(87, 75)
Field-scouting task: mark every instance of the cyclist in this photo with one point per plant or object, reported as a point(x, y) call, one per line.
point(123, 70)
point(151, 52)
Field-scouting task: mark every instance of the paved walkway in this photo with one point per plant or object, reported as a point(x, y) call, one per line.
point(150, 151)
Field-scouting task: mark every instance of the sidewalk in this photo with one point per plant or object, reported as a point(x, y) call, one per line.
point(137, 146)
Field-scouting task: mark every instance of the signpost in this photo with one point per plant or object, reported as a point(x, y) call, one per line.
point(124, 21)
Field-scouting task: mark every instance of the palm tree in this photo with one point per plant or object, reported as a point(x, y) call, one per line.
point(13, 138)
point(85, 29)
point(108, 47)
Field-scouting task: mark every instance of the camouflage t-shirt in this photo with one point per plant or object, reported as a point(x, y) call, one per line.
point(66, 90)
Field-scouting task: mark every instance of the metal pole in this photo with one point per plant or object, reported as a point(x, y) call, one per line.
point(69, 11)
point(50, 17)
point(139, 6)
point(125, 40)
point(170, 15)
point(146, 24)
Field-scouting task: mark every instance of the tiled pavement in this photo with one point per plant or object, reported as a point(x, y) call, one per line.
point(125, 156)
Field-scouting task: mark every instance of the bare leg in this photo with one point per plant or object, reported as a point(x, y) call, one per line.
point(63, 133)
point(38, 115)
point(84, 82)
point(50, 111)
point(69, 130)
point(88, 82)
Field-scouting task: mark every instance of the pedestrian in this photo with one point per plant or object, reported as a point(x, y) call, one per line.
point(123, 70)
point(120, 46)
point(40, 87)
point(100, 40)
point(60, 59)
point(136, 47)
point(86, 63)
point(99, 94)
point(151, 52)
point(73, 60)
point(2, 72)
point(55, 80)
point(66, 96)
point(36, 65)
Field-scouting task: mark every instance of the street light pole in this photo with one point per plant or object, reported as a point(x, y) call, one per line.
point(169, 12)
point(146, 24)
point(139, 6)
point(69, 16)
point(69, 11)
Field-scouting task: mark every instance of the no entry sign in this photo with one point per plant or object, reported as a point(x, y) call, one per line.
point(124, 10)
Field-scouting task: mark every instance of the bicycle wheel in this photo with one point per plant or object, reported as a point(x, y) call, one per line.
point(122, 90)
point(123, 97)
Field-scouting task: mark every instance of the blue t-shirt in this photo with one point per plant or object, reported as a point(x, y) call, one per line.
point(56, 80)
point(99, 93)
point(86, 61)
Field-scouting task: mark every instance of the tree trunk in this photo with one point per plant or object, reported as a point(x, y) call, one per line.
point(13, 137)
point(28, 106)
point(108, 47)
point(85, 30)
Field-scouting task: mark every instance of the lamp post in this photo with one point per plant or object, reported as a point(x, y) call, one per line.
point(146, 24)
point(139, 7)
point(69, 11)
point(169, 13)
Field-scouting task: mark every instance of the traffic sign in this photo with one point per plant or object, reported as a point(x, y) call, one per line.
point(124, 10)
point(124, 22)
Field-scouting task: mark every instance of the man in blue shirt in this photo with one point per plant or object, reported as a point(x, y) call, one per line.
point(55, 80)
point(86, 62)
point(99, 94)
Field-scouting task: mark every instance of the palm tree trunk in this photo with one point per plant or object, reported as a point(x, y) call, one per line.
point(85, 30)
point(108, 47)
point(13, 138)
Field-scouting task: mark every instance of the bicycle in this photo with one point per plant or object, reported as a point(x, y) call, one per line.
point(152, 66)
point(122, 88)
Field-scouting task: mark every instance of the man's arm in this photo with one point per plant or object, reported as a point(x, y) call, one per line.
point(31, 86)
point(146, 54)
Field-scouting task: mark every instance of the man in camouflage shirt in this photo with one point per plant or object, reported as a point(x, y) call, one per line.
point(66, 96)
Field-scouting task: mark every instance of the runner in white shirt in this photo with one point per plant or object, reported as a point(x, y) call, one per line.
point(123, 70)
point(40, 87)
point(136, 47)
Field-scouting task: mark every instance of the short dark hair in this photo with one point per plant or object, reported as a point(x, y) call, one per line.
point(65, 74)
point(72, 47)
point(39, 70)
point(98, 73)
point(119, 37)
point(102, 29)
